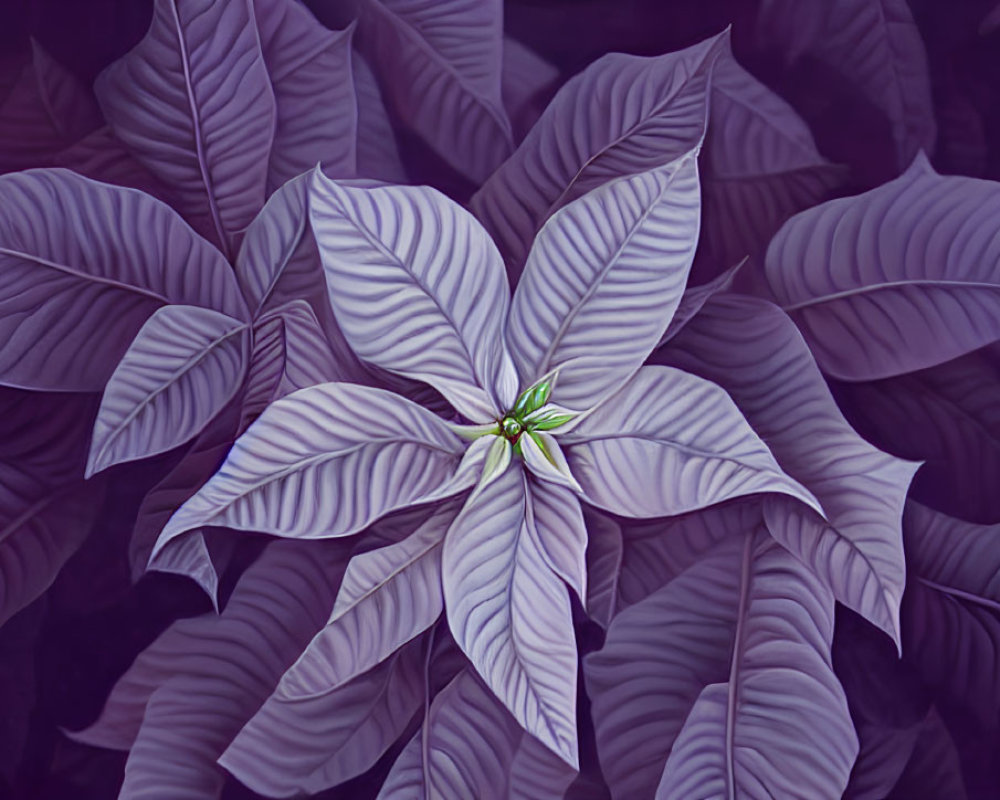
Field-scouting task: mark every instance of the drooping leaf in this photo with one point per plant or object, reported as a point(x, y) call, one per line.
point(603, 280)
point(77, 284)
point(188, 695)
point(418, 288)
point(326, 461)
point(951, 613)
point(896, 279)
point(946, 416)
point(304, 743)
point(621, 116)
point(316, 113)
point(760, 166)
point(753, 351)
point(290, 352)
point(510, 614)
point(185, 364)
point(193, 102)
point(438, 63)
point(877, 46)
point(669, 442)
point(474, 748)
point(525, 79)
point(46, 110)
point(388, 596)
point(736, 636)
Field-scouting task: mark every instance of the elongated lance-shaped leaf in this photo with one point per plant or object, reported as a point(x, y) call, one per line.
point(194, 103)
point(545, 458)
point(297, 745)
point(77, 284)
point(621, 116)
point(418, 288)
point(511, 614)
point(670, 442)
point(185, 364)
point(896, 279)
point(474, 748)
point(450, 54)
point(311, 76)
point(706, 667)
point(752, 349)
point(327, 461)
point(603, 280)
point(525, 81)
point(388, 596)
point(556, 520)
point(378, 152)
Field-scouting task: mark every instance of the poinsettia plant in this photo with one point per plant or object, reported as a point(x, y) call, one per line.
point(560, 515)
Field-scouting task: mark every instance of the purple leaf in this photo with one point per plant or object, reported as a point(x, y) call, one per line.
point(102, 156)
point(326, 461)
point(695, 297)
point(311, 77)
point(206, 455)
point(752, 350)
point(879, 284)
point(474, 748)
point(792, 26)
point(304, 742)
point(670, 442)
point(525, 80)
point(193, 102)
point(605, 549)
point(623, 115)
point(935, 768)
point(378, 153)
point(760, 167)
point(950, 621)
point(78, 284)
point(46, 110)
point(510, 613)
point(946, 416)
point(556, 519)
point(290, 352)
point(182, 368)
point(656, 551)
point(603, 280)
point(741, 633)
point(877, 46)
point(418, 288)
point(187, 695)
point(440, 62)
point(388, 596)
point(545, 459)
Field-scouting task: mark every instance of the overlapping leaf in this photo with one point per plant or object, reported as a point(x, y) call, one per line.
point(753, 351)
point(603, 280)
point(951, 620)
point(621, 116)
point(474, 748)
point(388, 596)
point(670, 442)
point(77, 284)
point(511, 614)
point(185, 364)
point(894, 280)
point(715, 644)
point(187, 696)
point(417, 288)
point(310, 71)
point(305, 743)
point(439, 63)
point(326, 461)
point(194, 104)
